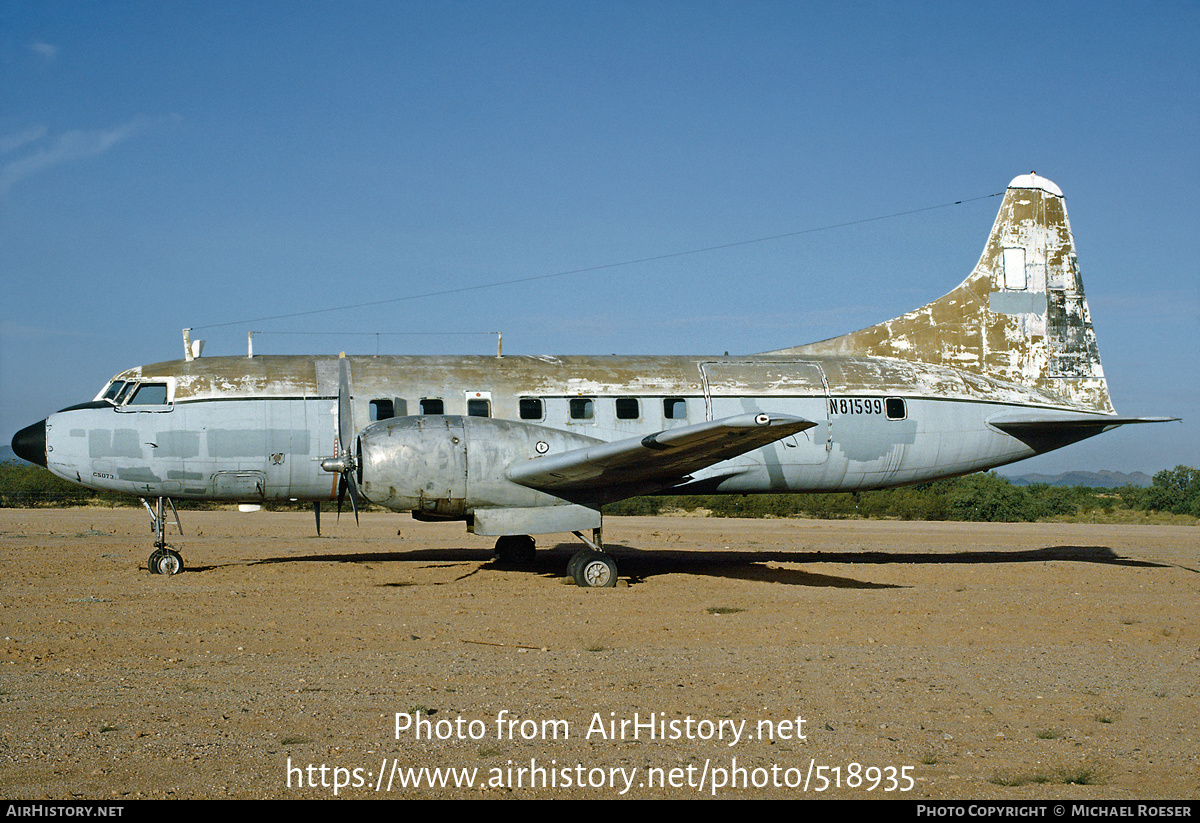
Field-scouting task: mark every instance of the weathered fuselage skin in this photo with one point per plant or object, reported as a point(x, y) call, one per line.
point(906, 401)
point(256, 428)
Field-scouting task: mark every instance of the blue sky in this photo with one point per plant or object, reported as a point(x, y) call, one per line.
point(208, 164)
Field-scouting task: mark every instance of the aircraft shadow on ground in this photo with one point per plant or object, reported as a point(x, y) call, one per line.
point(637, 565)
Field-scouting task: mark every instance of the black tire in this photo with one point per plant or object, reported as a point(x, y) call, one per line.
point(595, 570)
point(165, 561)
point(575, 560)
point(516, 550)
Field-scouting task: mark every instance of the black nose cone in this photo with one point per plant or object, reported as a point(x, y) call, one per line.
point(30, 443)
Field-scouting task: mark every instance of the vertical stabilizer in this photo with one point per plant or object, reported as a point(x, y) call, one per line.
point(1021, 317)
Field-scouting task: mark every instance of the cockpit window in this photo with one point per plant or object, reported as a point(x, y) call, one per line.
point(114, 389)
point(150, 394)
point(123, 393)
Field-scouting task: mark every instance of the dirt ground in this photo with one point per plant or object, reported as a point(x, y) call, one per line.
point(740, 658)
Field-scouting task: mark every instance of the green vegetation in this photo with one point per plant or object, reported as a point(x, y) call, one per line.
point(26, 486)
point(1063, 775)
point(1175, 490)
point(977, 497)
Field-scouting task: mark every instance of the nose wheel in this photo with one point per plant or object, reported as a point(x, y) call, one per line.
point(165, 561)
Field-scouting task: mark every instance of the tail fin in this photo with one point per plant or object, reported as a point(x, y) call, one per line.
point(1021, 317)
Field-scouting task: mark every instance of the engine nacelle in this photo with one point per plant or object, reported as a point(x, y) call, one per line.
point(446, 466)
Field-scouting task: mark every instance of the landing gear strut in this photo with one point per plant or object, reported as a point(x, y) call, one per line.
point(592, 568)
point(164, 559)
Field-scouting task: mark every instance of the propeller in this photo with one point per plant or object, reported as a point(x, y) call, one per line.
point(345, 465)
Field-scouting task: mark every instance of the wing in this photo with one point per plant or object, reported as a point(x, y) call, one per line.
point(612, 471)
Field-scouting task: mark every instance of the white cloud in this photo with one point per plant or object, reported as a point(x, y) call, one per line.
point(44, 50)
point(59, 150)
point(12, 142)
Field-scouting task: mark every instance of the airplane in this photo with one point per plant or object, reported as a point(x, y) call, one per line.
point(1002, 368)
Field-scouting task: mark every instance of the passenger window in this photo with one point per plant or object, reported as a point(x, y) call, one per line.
point(150, 394)
point(582, 408)
point(432, 405)
point(894, 406)
point(675, 408)
point(479, 408)
point(531, 408)
point(382, 409)
point(628, 408)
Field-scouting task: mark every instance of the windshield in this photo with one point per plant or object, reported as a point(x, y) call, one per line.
point(113, 391)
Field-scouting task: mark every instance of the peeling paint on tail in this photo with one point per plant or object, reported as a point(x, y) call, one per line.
point(1021, 317)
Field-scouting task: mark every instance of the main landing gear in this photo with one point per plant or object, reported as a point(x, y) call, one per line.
point(164, 559)
point(515, 550)
point(591, 568)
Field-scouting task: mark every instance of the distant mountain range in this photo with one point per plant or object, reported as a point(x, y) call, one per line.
point(1097, 480)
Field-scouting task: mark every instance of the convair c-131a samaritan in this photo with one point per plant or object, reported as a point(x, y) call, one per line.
point(1002, 368)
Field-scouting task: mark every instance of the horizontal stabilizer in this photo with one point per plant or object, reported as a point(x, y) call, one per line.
point(642, 464)
point(1046, 431)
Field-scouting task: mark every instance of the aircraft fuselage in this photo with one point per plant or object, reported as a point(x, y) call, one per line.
point(256, 429)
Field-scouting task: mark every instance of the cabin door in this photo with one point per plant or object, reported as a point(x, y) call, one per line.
point(733, 387)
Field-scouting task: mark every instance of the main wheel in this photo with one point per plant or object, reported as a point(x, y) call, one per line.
point(516, 549)
point(594, 570)
point(165, 561)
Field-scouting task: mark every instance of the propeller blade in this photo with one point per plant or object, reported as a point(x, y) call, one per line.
point(353, 495)
point(345, 415)
point(344, 464)
point(354, 474)
point(346, 482)
point(317, 513)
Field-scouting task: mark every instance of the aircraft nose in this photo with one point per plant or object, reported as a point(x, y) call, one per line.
point(30, 443)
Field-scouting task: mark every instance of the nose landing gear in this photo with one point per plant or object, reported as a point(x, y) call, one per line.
point(164, 559)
